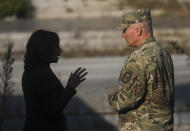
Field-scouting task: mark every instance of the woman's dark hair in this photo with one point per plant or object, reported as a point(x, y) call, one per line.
point(39, 48)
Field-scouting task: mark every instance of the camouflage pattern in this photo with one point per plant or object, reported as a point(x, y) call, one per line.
point(136, 16)
point(145, 97)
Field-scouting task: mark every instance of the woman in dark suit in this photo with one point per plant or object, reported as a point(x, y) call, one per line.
point(45, 96)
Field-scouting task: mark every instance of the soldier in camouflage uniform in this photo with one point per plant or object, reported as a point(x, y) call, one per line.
point(145, 98)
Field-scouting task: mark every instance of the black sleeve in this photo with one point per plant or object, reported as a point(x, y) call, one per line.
point(53, 96)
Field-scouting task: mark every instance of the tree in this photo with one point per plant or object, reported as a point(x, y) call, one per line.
point(6, 84)
point(19, 8)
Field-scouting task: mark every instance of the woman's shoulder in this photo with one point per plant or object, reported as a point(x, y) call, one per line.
point(43, 70)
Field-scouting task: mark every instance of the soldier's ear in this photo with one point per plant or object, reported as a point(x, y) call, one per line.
point(139, 31)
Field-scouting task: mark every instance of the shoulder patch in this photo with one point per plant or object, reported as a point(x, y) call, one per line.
point(125, 77)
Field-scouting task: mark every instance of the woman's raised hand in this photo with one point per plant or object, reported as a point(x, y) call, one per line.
point(77, 77)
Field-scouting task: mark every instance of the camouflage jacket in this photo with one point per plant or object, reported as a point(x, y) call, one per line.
point(145, 97)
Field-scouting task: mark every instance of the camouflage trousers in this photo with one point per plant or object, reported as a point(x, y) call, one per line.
point(153, 127)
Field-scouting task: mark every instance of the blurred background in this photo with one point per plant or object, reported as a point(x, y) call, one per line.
point(89, 38)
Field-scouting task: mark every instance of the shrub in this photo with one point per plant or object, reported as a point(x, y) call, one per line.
point(19, 8)
point(6, 84)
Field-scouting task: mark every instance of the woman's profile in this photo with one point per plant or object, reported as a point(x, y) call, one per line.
point(45, 96)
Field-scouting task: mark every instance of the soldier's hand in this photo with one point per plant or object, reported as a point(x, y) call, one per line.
point(77, 77)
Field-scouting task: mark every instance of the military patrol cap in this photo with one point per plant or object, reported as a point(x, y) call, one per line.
point(133, 17)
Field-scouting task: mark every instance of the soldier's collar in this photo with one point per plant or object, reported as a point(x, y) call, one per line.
point(148, 40)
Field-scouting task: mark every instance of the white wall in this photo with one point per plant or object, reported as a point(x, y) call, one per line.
point(76, 8)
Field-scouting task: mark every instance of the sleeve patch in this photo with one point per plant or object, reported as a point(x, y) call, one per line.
point(126, 77)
